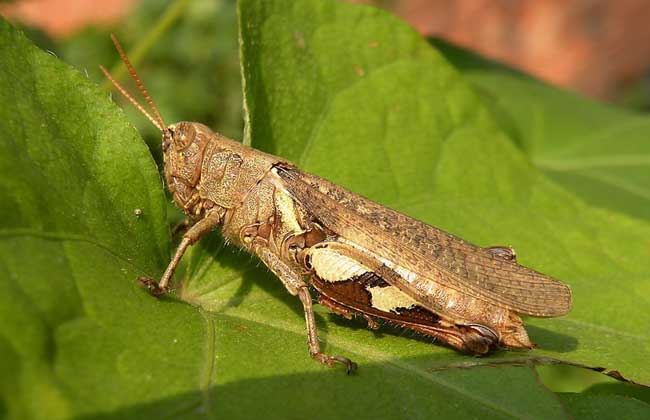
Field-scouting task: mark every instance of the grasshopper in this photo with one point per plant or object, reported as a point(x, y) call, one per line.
point(361, 258)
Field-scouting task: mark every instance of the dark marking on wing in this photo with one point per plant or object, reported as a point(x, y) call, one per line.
point(353, 294)
point(351, 297)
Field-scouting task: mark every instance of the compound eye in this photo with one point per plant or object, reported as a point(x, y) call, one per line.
point(184, 135)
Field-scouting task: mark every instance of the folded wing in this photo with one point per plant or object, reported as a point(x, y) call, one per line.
point(427, 251)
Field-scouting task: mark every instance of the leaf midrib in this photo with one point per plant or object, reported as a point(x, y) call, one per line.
point(67, 236)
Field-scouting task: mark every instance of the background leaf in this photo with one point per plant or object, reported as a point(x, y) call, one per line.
point(597, 151)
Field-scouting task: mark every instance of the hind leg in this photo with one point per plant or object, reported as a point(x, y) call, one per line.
point(297, 287)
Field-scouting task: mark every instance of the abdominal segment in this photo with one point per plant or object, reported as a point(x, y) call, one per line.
point(349, 288)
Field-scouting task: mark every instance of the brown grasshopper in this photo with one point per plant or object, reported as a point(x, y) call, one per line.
point(360, 257)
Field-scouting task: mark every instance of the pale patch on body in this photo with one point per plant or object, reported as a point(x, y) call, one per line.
point(388, 299)
point(285, 207)
point(332, 266)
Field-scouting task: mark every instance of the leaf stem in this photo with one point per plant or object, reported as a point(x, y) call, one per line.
point(171, 15)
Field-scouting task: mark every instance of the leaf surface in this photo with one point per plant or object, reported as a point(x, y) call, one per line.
point(597, 151)
point(330, 87)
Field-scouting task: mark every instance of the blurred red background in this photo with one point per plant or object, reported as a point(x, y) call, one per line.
point(597, 47)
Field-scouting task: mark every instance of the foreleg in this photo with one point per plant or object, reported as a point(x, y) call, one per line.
point(193, 234)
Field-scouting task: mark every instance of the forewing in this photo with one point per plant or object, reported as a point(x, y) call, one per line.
point(433, 254)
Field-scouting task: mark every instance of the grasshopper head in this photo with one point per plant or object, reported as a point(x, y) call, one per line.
point(183, 145)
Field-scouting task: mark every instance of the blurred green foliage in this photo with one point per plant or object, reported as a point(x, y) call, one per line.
point(191, 69)
point(637, 96)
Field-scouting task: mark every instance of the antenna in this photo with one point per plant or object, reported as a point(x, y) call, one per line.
point(158, 121)
point(130, 98)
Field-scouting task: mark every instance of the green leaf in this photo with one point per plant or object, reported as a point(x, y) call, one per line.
point(621, 389)
point(588, 406)
point(51, 136)
point(599, 152)
point(77, 336)
point(353, 94)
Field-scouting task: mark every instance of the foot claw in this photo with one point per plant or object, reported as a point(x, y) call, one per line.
point(350, 366)
point(152, 286)
point(330, 361)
